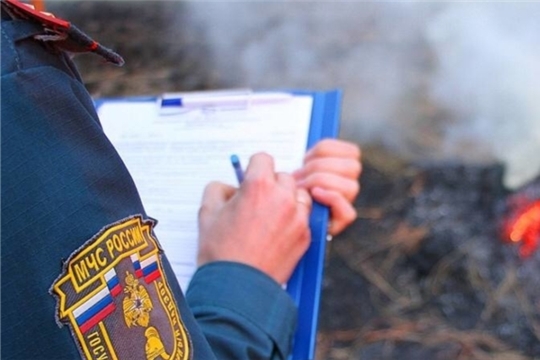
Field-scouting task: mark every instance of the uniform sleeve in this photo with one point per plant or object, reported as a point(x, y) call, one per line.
point(243, 313)
point(62, 182)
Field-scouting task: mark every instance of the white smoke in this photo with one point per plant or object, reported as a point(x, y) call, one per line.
point(396, 62)
point(488, 75)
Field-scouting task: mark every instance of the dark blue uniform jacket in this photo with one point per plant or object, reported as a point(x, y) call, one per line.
point(82, 272)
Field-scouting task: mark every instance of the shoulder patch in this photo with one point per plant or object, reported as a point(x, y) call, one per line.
point(114, 296)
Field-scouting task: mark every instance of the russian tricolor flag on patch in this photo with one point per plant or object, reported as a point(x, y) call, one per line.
point(96, 309)
point(136, 265)
point(150, 269)
point(112, 282)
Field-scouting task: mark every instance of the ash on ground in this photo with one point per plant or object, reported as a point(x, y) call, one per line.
point(424, 272)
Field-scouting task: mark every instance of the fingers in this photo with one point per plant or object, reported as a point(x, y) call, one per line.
point(301, 196)
point(286, 181)
point(345, 167)
point(333, 174)
point(215, 194)
point(261, 166)
point(349, 188)
point(334, 165)
point(304, 200)
point(260, 174)
point(330, 172)
point(304, 203)
point(342, 211)
point(334, 148)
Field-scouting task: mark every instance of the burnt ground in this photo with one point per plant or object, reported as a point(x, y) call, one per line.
point(422, 274)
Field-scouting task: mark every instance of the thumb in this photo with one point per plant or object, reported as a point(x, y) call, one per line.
point(214, 196)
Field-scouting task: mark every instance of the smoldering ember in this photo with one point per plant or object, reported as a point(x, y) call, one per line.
point(439, 263)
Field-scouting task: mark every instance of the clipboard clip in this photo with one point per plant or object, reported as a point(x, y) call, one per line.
point(174, 103)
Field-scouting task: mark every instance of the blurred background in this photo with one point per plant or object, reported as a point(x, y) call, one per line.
point(428, 79)
point(444, 99)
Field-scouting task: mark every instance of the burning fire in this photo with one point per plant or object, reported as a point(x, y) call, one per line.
point(523, 228)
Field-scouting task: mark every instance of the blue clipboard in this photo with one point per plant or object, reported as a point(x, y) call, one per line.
point(306, 282)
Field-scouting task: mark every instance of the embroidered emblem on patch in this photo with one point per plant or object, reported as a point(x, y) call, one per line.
point(115, 297)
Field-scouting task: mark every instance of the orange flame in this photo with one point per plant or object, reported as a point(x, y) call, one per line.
point(524, 228)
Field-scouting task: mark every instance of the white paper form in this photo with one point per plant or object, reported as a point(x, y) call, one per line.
point(172, 157)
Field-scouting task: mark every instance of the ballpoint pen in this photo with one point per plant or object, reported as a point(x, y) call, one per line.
point(237, 168)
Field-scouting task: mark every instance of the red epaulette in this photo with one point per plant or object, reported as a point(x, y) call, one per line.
point(59, 32)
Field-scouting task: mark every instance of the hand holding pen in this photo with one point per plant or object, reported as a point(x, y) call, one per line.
point(264, 223)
